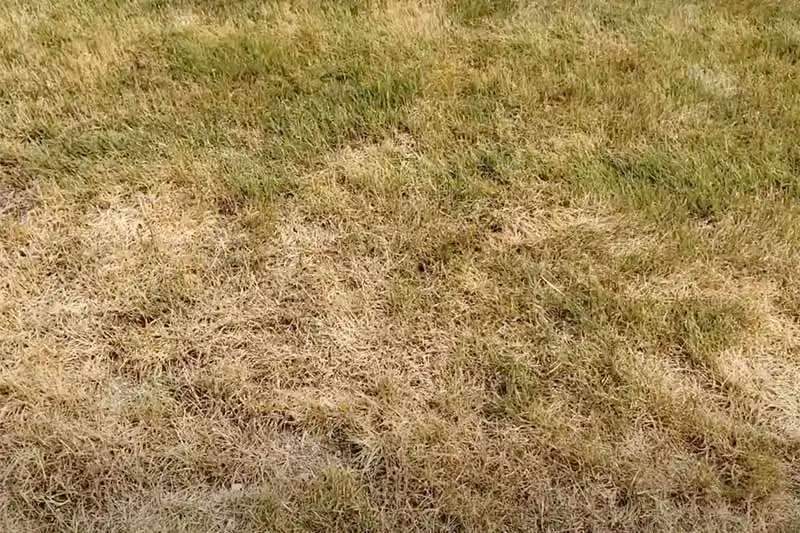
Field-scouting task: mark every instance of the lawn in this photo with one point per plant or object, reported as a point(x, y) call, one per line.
point(398, 265)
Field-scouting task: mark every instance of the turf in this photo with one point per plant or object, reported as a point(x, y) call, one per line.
point(395, 265)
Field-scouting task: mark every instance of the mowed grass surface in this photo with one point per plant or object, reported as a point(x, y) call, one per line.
point(389, 266)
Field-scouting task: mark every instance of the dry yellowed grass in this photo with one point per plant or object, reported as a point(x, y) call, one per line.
point(394, 266)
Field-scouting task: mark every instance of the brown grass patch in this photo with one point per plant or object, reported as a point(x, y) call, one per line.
point(449, 266)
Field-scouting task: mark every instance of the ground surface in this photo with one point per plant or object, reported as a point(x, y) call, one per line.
point(395, 265)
